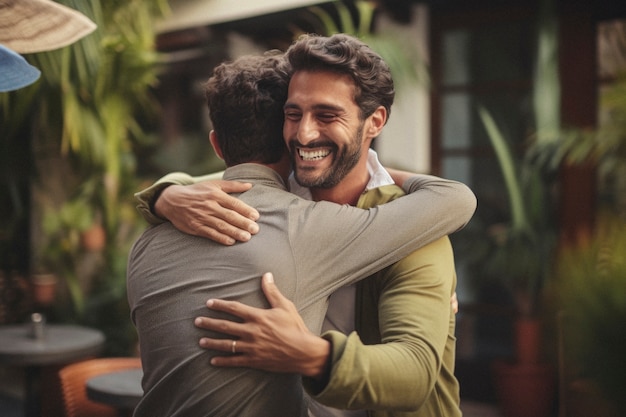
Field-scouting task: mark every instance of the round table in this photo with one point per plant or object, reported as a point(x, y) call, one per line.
point(119, 389)
point(60, 344)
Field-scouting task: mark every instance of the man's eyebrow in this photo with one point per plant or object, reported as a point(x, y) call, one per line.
point(321, 106)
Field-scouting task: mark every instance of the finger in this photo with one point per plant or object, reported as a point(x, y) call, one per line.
point(210, 225)
point(234, 186)
point(271, 291)
point(222, 345)
point(454, 302)
point(232, 361)
point(228, 237)
point(233, 203)
point(217, 325)
point(229, 222)
point(231, 329)
point(235, 308)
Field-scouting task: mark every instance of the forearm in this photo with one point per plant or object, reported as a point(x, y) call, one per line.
point(454, 202)
point(414, 316)
point(375, 377)
point(315, 361)
point(147, 198)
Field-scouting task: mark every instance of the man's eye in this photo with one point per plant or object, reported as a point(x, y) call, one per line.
point(292, 116)
point(326, 117)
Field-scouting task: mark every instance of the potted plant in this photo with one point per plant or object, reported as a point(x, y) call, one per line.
point(44, 288)
point(591, 292)
point(590, 284)
point(84, 120)
point(61, 251)
point(519, 255)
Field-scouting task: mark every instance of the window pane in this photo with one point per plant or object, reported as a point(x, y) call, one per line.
point(463, 129)
point(458, 169)
point(456, 110)
point(487, 53)
point(455, 57)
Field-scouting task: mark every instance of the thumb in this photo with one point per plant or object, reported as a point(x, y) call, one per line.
point(271, 291)
point(234, 186)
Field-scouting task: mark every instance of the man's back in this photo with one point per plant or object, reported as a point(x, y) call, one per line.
point(171, 275)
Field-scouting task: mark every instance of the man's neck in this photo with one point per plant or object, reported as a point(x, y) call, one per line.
point(282, 167)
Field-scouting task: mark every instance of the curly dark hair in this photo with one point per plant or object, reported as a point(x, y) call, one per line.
point(245, 99)
point(348, 55)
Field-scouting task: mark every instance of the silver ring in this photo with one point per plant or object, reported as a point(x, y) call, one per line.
point(233, 347)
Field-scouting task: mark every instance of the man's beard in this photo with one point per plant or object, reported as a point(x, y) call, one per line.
point(342, 164)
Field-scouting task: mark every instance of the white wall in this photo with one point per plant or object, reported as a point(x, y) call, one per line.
point(405, 141)
point(190, 13)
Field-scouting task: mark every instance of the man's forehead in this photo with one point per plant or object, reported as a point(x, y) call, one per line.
point(326, 73)
point(325, 86)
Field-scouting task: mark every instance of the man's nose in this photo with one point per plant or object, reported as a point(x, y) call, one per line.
point(308, 130)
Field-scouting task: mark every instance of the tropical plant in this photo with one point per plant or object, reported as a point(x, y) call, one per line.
point(603, 147)
point(404, 60)
point(519, 253)
point(85, 113)
point(591, 290)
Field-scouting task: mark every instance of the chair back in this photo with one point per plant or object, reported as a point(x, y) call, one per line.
point(73, 385)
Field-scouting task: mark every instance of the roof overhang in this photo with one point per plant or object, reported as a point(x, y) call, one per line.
point(186, 14)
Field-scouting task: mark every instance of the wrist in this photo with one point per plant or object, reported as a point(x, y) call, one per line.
point(317, 366)
point(153, 204)
point(158, 203)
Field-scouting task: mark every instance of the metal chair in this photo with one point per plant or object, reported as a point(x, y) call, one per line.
point(74, 377)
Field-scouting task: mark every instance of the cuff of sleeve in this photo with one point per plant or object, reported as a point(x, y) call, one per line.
point(323, 390)
point(315, 387)
point(146, 200)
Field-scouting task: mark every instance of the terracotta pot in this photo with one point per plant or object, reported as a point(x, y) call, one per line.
point(94, 238)
point(528, 340)
point(44, 288)
point(525, 390)
point(584, 399)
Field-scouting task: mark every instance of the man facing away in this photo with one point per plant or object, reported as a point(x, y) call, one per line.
point(312, 248)
point(403, 313)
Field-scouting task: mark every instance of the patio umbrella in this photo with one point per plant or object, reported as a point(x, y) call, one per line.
point(29, 26)
point(15, 72)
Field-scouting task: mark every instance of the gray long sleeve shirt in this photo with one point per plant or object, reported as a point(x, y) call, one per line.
point(312, 248)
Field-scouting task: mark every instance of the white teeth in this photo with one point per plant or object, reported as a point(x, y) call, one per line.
point(311, 155)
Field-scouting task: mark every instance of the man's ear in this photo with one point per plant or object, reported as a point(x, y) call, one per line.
point(215, 144)
point(376, 122)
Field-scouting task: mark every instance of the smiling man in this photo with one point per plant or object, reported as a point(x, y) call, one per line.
point(324, 132)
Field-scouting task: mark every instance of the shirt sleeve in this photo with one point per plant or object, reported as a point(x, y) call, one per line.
point(435, 208)
point(439, 188)
point(414, 319)
point(147, 197)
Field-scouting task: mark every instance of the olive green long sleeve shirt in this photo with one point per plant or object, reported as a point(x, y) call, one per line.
point(400, 360)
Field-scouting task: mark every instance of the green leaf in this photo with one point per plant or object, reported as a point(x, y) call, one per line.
point(519, 219)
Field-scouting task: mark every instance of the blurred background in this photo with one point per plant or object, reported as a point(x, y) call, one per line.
point(523, 100)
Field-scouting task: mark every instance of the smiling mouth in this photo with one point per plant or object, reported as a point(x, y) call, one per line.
point(313, 155)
